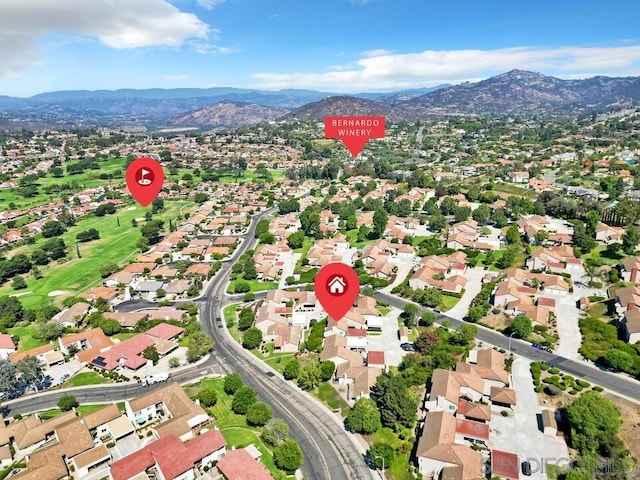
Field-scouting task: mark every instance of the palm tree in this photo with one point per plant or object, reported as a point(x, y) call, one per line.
point(591, 272)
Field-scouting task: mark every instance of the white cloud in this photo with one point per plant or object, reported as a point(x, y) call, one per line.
point(175, 78)
point(378, 52)
point(118, 24)
point(382, 70)
point(210, 4)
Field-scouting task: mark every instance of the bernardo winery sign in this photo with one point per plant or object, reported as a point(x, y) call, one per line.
point(354, 131)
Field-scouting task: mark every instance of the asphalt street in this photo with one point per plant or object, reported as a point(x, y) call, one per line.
point(329, 451)
point(615, 383)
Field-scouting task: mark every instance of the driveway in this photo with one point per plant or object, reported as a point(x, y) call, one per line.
point(404, 268)
point(568, 315)
point(388, 341)
point(474, 284)
point(288, 267)
point(519, 433)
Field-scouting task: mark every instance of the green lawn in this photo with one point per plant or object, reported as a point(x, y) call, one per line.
point(122, 336)
point(87, 179)
point(85, 378)
point(256, 285)
point(352, 236)
point(328, 395)
point(27, 341)
point(239, 437)
point(250, 176)
point(306, 246)
point(399, 468)
point(230, 318)
point(116, 245)
point(600, 256)
point(448, 302)
point(278, 361)
point(82, 409)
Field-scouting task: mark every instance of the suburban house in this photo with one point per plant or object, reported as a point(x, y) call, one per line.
point(630, 326)
point(72, 316)
point(179, 415)
point(443, 273)
point(607, 234)
point(630, 269)
point(440, 456)
point(6, 346)
point(556, 259)
point(240, 465)
point(68, 443)
point(172, 459)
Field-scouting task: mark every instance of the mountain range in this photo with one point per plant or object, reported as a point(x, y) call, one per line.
point(516, 92)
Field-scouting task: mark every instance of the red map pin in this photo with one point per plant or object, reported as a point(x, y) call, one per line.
point(337, 286)
point(144, 179)
point(354, 132)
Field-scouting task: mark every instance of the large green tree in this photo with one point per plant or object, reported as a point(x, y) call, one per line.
point(380, 219)
point(364, 417)
point(259, 414)
point(397, 406)
point(232, 383)
point(594, 422)
point(288, 456)
point(521, 326)
point(243, 398)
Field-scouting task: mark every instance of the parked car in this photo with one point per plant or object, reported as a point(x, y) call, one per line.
point(408, 347)
point(526, 468)
point(64, 377)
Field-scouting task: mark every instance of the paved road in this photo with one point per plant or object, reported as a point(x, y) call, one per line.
point(615, 383)
point(329, 452)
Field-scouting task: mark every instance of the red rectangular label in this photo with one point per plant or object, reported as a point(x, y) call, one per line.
point(340, 127)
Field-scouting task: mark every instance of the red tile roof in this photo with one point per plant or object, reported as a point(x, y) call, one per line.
point(165, 330)
point(205, 444)
point(6, 342)
point(130, 350)
point(375, 358)
point(504, 464)
point(239, 465)
point(472, 429)
point(171, 455)
point(356, 332)
point(546, 302)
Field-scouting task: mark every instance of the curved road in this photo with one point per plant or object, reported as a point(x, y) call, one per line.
point(330, 453)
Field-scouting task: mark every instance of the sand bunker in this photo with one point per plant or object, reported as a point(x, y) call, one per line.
point(132, 208)
point(20, 294)
point(55, 293)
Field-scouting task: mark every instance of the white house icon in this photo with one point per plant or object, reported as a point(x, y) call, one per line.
point(337, 285)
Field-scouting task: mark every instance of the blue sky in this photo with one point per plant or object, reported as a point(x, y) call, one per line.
point(331, 45)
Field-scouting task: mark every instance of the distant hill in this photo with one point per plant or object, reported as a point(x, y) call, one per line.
point(523, 92)
point(398, 97)
point(228, 114)
point(345, 105)
point(516, 92)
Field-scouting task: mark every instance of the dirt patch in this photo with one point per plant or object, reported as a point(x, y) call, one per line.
point(630, 429)
point(498, 322)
